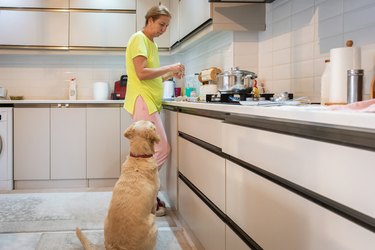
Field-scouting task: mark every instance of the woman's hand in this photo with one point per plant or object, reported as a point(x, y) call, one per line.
point(178, 70)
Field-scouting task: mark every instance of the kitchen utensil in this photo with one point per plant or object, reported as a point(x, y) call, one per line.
point(235, 81)
point(207, 89)
point(355, 85)
point(177, 91)
point(120, 88)
point(101, 90)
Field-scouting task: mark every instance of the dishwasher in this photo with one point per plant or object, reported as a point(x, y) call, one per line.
point(6, 148)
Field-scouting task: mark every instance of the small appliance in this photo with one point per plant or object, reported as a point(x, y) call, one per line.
point(101, 91)
point(168, 89)
point(120, 88)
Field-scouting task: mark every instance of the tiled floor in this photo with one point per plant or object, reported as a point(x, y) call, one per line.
point(47, 220)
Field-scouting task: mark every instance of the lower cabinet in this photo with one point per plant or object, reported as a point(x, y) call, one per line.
point(207, 227)
point(103, 142)
point(31, 133)
point(69, 142)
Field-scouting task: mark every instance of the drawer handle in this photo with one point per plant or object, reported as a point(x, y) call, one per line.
point(1, 145)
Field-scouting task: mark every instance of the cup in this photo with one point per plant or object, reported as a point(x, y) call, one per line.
point(188, 91)
point(177, 91)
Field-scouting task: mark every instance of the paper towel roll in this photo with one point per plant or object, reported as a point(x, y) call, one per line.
point(342, 59)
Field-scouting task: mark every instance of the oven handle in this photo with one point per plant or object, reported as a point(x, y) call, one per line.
point(1, 144)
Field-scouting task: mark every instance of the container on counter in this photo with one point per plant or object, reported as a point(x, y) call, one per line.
point(325, 83)
point(72, 89)
point(355, 85)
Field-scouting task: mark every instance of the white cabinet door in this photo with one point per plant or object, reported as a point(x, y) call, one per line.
point(192, 13)
point(171, 166)
point(31, 143)
point(277, 218)
point(68, 143)
point(103, 142)
point(35, 3)
point(142, 8)
point(101, 29)
point(44, 28)
point(204, 169)
point(203, 222)
point(100, 4)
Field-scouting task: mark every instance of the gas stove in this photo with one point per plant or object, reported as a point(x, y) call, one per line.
point(235, 98)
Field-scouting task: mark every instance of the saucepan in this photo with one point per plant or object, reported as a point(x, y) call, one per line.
point(235, 81)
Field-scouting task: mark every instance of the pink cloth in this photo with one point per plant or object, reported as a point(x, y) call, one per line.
point(363, 106)
point(162, 149)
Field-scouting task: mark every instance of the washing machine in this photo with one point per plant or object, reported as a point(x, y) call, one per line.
point(6, 148)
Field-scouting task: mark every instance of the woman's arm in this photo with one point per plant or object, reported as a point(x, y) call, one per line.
point(166, 72)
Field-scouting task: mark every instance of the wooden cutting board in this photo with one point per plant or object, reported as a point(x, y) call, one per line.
point(372, 88)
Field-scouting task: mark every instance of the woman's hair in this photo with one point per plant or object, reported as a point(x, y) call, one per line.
point(157, 11)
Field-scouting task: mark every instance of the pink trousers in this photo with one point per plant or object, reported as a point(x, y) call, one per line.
point(162, 149)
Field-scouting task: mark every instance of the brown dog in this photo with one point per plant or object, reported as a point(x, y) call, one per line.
point(130, 222)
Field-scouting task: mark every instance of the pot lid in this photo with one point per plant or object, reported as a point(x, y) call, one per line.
point(235, 71)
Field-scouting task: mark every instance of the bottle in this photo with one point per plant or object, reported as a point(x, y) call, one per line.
point(325, 83)
point(72, 89)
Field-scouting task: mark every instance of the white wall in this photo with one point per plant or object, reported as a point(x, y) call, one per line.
point(300, 34)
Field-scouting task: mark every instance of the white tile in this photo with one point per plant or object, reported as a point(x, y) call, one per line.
point(280, 86)
point(329, 27)
point(303, 35)
point(361, 37)
point(325, 45)
point(352, 5)
point(281, 11)
point(303, 69)
point(265, 45)
point(300, 5)
point(303, 18)
point(282, 41)
point(265, 59)
point(281, 72)
point(359, 18)
point(303, 52)
point(281, 57)
point(281, 27)
point(327, 9)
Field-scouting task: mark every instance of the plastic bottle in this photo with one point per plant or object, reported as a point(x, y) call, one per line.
point(73, 89)
point(325, 82)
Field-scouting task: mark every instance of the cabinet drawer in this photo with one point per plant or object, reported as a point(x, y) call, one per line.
point(203, 128)
point(341, 173)
point(204, 223)
point(35, 3)
point(100, 4)
point(279, 219)
point(101, 29)
point(204, 169)
point(34, 28)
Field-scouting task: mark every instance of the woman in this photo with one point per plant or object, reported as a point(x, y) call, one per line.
point(144, 91)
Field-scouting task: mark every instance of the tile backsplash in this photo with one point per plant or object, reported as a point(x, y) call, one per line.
point(288, 56)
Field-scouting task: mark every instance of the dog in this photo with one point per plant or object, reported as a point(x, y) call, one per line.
point(130, 222)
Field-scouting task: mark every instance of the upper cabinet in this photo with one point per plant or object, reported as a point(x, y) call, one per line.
point(100, 4)
point(142, 8)
point(174, 35)
point(35, 3)
point(192, 14)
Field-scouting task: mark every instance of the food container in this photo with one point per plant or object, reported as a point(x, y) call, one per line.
point(235, 80)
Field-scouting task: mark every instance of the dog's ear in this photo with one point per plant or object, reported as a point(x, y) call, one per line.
point(152, 135)
point(129, 132)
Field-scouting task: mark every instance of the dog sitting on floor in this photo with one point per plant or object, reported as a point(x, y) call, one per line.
point(130, 222)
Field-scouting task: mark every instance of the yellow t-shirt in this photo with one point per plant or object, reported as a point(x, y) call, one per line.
point(150, 90)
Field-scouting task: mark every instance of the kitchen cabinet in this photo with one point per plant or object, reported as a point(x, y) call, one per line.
point(101, 29)
point(68, 142)
point(204, 223)
point(170, 168)
point(297, 222)
point(126, 121)
point(31, 143)
point(100, 4)
point(35, 3)
point(103, 142)
point(142, 8)
point(174, 35)
point(34, 27)
point(187, 22)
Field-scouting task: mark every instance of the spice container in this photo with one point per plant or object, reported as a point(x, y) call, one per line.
point(355, 85)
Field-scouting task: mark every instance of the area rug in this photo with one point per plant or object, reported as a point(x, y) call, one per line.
point(40, 212)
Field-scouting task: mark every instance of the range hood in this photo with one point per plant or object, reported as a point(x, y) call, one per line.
point(241, 1)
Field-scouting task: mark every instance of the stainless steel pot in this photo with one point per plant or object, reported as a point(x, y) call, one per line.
point(235, 80)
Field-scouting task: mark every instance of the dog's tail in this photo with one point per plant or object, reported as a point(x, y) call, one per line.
point(87, 245)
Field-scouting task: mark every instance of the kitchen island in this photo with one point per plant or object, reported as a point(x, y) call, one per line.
point(273, 177)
